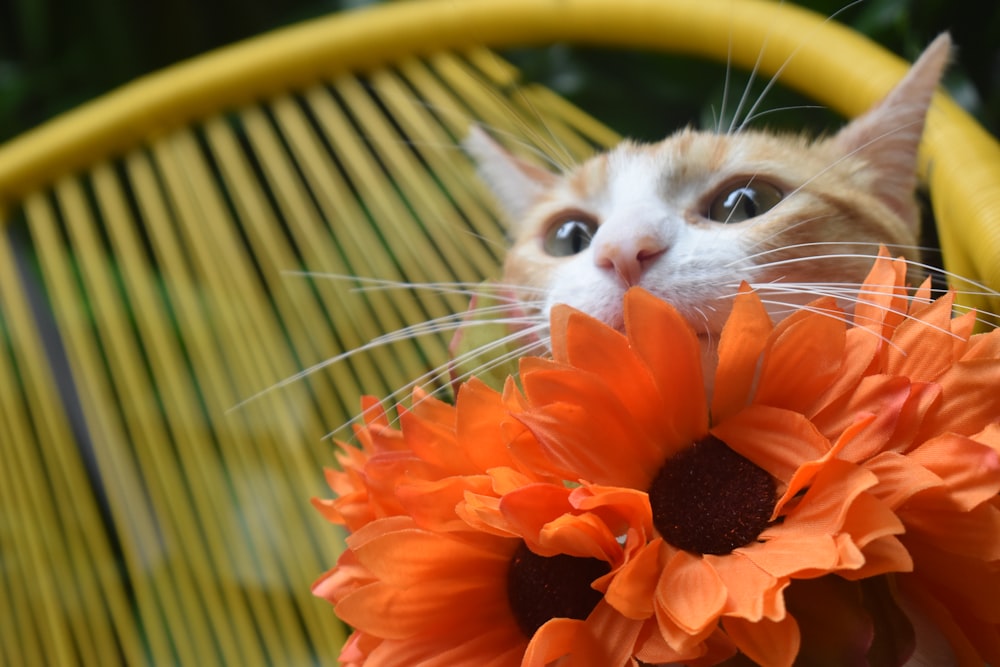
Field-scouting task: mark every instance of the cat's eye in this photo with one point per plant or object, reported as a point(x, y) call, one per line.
point(743, 201)
point(569, 235)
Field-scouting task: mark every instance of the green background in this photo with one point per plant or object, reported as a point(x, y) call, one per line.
point(56, 54)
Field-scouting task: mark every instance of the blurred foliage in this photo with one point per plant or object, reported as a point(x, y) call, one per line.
point(677, 91)
point(55, 54)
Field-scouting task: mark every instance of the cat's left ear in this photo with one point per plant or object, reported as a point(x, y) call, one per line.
point(516, 184)
point(888, 135)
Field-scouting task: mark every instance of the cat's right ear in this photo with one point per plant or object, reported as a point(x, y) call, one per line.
point(516, 184)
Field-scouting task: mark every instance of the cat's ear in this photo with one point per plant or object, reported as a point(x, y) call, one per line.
point(516, 184)
point(888, 135)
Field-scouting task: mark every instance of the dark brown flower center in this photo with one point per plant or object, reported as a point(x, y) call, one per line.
point(544, 587)
point(708, 499)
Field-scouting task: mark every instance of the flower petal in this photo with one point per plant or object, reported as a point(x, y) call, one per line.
point(805, 356)
point(921, 343)
point(631, 591)
point(690, 592)
point(670, 349)
point(743, 339)
point(753, 593)
point(970, 469)
point(777, 440)
point(766, 642)
point(969, 398)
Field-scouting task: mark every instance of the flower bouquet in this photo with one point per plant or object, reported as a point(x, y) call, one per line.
point(831, 499)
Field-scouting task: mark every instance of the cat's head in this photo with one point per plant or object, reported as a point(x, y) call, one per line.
point(691, 217)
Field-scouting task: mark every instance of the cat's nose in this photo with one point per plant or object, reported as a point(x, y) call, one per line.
point(628, 258)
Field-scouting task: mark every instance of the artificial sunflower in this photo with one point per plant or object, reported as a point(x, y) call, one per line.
point(841, 471)
point(424, 581)
point(830, 445)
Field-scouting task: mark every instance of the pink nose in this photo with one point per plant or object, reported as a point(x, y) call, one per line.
point(629, 258)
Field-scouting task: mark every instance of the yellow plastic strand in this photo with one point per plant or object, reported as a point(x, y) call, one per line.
point(278, 465)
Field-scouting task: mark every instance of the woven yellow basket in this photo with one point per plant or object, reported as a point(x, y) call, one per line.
point(146, 291)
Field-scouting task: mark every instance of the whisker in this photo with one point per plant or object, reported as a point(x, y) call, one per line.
point(368, 284)
point(749, 84)
point(726, 81)
point(837, 315)
point(785, 230)
point(794, 107)
point(447, 323)
point(438, 374)
point(985, 290)
point(872, 244)
point(784, 65)
point(851, 297)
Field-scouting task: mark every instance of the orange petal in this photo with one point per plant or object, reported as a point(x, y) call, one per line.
point(804, 476)
point(787, 553)
point(882, 556)
point(690, 592)
point(605, 354)
point(605, 638)
point(752, 593)
point(479, 413)
point(670, 349)
point(621, 509)
point(632, 589)
point(921, 345)
point(432, 504)
point(900, 478)
point(882, 298)
point(766, 642)
point(827, 502)
point(970, 399)
point(805, 357)
point(742, 341)
point(974, 533)
point(970, 469)
point(587, 435)
point(887, 397)
point(777, 440)
point(558, 321)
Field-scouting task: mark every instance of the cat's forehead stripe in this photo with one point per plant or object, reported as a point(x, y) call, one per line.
point(590, 177)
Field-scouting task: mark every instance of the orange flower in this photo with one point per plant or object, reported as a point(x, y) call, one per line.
point(821, 445)
point(424, 581)
point(612, 511)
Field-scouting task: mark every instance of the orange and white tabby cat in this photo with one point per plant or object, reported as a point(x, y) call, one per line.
point(692, 216)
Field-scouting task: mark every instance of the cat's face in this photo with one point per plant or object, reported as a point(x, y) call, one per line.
point(693, 216)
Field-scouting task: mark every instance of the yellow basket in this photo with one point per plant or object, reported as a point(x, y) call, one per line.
point(145, 291)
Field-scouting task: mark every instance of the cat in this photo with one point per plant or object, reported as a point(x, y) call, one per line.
point(691, 217)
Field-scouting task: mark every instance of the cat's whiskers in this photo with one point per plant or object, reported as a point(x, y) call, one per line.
point(438, 376)
point(978, 288)
point(751, 112)
point(495, 290)
point(524, 315)
point(846, 293)
point(794, 107)
point(834, 314)
point(812, 244)
point(785, 230)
